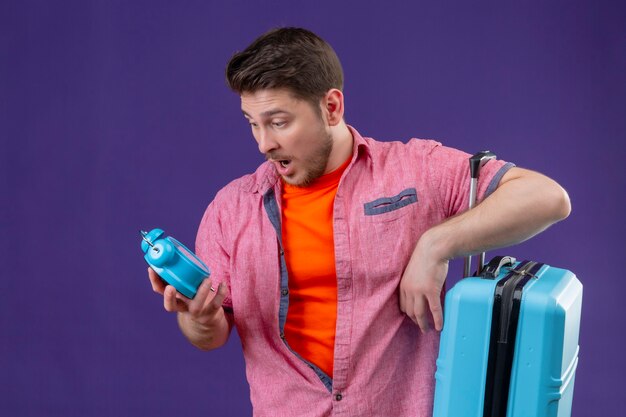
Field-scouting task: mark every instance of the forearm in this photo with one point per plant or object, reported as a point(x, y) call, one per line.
point(209, 335)
point(524, 204)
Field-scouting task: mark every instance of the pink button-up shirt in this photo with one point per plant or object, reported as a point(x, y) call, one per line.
point(388, 196)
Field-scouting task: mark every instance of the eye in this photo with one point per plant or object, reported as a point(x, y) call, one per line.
point(253, 124)
point(279, 123)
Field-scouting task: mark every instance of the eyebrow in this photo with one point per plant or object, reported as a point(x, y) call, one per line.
point(268, 113)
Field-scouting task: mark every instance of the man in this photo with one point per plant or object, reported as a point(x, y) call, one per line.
point(330, 259)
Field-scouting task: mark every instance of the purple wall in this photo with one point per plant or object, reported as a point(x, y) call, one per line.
point(115, 117)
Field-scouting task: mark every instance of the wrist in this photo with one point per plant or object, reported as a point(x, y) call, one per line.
point(201, 323)
point(205, 334)
point(435, 243)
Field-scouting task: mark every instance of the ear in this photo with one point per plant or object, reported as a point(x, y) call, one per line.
point(332, 106)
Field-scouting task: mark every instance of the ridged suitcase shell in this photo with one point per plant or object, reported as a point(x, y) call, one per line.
point(546, 347)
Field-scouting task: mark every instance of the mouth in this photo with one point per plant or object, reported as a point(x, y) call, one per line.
point(283, 166)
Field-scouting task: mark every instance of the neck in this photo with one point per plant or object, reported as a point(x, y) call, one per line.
point(342, 146)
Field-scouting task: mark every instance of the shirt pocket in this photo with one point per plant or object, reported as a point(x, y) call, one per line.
point(387, 233)
point(390, 208)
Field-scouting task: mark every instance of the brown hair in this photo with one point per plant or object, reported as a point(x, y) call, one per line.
point(291, 58)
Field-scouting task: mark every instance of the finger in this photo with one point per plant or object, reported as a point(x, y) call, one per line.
point(216, 302)
point(434, 301)
point(203, 295)
point(157, 283)
point(421, 312)
point(403, 301)
point(205, 290)
point(170, 301)
point(408, 306)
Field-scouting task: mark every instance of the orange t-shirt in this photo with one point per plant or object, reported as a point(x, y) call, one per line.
point(307, 216)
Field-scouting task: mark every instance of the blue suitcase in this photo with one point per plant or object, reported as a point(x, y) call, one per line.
point(509, 345)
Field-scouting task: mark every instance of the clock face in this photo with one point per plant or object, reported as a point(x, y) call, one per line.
point(189, 254)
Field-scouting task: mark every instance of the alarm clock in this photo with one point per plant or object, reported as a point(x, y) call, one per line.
point(173, 262)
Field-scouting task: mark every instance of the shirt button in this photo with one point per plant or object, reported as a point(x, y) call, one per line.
point(282, 252)
point(282, 335)
point(338, 396)
point(284, 292)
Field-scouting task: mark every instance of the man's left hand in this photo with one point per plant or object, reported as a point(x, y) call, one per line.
point(421, 286)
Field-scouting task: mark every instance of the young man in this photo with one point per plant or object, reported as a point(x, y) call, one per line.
point(330, 259)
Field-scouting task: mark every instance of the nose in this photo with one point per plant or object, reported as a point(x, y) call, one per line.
point(266, 141)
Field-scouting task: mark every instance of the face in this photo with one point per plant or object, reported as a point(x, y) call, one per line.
point(290, 133)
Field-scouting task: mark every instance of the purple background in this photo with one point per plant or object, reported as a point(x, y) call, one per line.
point(115, 117)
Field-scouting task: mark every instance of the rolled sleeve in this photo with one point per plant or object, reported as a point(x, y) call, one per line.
point(210, 248)
point(449, 173)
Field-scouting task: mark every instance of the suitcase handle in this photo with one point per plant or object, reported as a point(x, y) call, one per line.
point(492, 269)
point(476, 163)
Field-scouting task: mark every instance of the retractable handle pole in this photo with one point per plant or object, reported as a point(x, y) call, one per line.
point(476, 163)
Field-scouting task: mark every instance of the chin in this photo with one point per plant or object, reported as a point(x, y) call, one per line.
point(297, 181)
point(294, 181)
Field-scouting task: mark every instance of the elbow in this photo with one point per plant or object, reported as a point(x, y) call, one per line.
point(562, 206)
point(567, 205)
point(208, 345)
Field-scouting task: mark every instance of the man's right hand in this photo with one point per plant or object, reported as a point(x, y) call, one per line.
point(201, 319)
